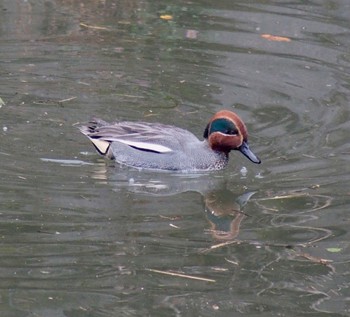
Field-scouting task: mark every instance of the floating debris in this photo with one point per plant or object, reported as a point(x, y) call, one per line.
point(166, 17)
point(95, 27)
point(204, 279)
point(275, 38)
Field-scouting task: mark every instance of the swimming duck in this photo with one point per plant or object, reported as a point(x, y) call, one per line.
point(165, 147)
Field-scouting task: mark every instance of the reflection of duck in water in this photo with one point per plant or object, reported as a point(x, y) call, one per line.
point(223, 208)
point(224, 212)
point(164, 147)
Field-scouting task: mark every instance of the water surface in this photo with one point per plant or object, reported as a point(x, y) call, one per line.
point(81, 236)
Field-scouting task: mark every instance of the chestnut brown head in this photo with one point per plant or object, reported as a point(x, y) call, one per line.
point(226, 131)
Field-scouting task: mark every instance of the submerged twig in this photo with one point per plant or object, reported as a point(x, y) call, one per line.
point(182, 275)
point(220, 245)
point(129, 96)
point(94, 27)
point(65, 100)
point(314, 258)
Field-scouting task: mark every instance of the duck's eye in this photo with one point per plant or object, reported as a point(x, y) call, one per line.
point(231, 131)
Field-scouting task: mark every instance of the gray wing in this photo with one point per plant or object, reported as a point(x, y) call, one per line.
point(154, 137)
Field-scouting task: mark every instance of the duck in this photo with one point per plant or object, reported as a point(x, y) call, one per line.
point(157, 146)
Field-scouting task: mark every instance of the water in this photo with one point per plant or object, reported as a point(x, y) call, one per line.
point(83, 237)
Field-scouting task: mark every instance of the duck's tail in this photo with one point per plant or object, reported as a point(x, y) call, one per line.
point(91, 131)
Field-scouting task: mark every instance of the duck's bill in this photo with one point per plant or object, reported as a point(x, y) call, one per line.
point(245, 150)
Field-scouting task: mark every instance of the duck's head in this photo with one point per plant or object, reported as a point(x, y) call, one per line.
point(226, 131)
